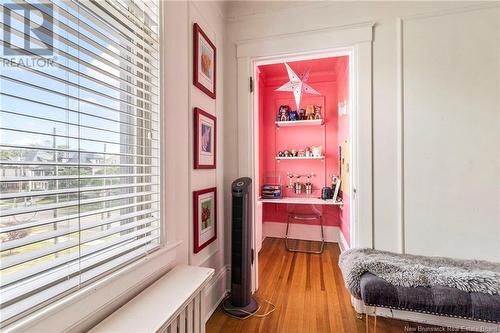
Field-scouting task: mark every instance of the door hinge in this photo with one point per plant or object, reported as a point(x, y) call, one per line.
point(251, 84)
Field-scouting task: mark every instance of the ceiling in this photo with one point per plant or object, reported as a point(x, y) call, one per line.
point(320, 69)
point(243, 9)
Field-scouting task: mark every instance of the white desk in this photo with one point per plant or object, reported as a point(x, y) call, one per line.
point(305, 201)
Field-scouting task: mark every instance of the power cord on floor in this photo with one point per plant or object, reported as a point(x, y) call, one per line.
point(250, 314)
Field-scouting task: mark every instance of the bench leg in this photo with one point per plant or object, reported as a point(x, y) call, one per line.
point(367, 317)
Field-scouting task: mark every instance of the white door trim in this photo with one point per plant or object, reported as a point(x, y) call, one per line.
point(357, 41)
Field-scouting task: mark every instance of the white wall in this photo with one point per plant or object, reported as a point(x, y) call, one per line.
point(78, 313)
point(393, 213)
point(451, 133)
point(182, 98)
point(210, 16)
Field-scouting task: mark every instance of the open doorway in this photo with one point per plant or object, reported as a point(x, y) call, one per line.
point(302, 147)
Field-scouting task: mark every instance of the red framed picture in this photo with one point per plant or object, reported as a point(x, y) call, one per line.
point(205, 140)
point(204, 218)
point(204, 62)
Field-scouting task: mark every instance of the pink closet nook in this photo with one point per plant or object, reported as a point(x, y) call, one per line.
point(304, 149)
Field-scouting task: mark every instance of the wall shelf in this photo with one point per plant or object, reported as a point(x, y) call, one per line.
point(303, 200)
point(316, 122)
point(300, 158)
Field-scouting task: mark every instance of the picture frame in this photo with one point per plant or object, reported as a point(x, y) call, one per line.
point(205, 140)
point(204, 218)
point(204, 62)
point(336, 189)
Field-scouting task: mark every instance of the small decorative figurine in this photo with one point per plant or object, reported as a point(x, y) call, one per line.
point(301, 153)
point(284, 113)
point(309, 112)
point(317, 112)
point(294, 116)
point(281, 154)
point(286, 153)
point(316, 151)
point(302, 114)
point(294, 153)
point(308, 152)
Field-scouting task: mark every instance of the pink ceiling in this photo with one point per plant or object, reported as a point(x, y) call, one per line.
point(321, 69)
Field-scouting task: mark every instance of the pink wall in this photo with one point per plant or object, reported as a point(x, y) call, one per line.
point(272, 140)
point(343, 134)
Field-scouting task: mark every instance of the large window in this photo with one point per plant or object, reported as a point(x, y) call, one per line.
point(79, 144)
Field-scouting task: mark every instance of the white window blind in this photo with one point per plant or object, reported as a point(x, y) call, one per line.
point(79, 144)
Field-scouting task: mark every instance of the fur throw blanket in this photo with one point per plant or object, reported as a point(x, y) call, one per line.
point(419, 271)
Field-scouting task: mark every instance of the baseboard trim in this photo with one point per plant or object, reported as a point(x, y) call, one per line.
point(301, 231)
point(216, 291)
point(343, 244)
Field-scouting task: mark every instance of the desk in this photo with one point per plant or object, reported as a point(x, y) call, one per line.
point(305, 201)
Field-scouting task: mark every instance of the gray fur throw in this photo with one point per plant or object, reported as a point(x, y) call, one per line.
point(419, 271)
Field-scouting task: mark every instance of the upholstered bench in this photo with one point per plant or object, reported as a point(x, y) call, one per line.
point(447, 292)
point(483, 309)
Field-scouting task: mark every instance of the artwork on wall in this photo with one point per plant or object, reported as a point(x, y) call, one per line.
point(204, 218)
point(205, 140)
point(204, 62)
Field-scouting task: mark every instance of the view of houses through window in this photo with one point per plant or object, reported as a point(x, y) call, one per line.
point(79, 144)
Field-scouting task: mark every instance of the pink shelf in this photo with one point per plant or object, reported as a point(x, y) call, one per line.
point(300, 158)
point(316, 122)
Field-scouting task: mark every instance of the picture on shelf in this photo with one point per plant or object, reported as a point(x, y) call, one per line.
point(335, 189)
point(335, 181)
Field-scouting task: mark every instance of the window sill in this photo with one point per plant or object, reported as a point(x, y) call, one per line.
point(84, 308)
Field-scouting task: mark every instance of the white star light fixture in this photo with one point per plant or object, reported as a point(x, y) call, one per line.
point(297, 85)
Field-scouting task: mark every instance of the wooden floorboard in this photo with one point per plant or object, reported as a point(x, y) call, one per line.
point(309, 294)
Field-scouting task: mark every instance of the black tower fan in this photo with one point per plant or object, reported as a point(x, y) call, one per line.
point(241, 303)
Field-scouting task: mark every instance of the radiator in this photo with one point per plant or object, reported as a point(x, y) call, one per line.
point(173, 304)
point(190, 319)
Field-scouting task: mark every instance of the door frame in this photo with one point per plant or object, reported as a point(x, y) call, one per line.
point(355, 41)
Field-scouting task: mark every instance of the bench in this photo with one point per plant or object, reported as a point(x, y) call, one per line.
point(436, 305)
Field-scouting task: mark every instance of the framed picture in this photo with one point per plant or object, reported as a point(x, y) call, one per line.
point(204, 62)
point(205, 218)
point(205, 140)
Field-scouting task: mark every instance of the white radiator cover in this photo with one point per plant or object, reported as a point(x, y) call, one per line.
point(173, 304)
point(190, 319)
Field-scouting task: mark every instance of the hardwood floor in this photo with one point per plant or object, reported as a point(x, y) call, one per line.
point(309, 294)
